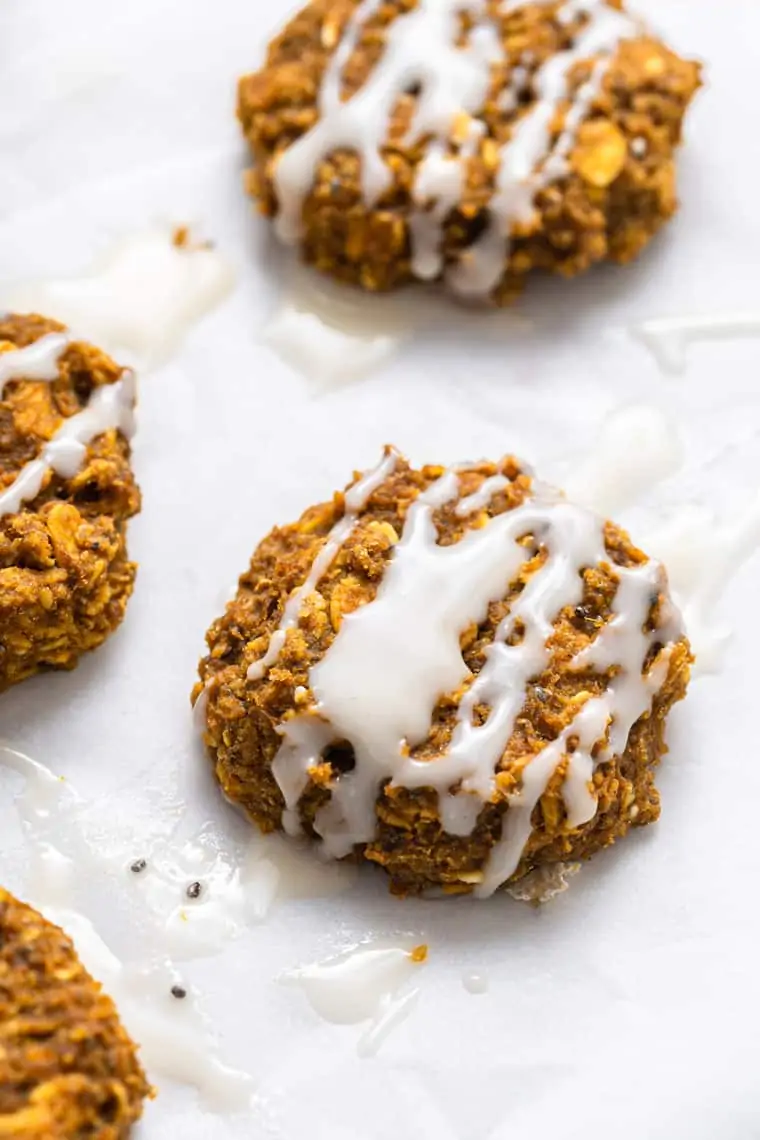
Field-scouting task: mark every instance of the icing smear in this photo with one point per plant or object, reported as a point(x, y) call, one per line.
point(703, 551)
point(368, 983)
point(638, 448)
point(422, 50)
point(111, 406)
point(172, 1032)
point(140, 300)
point(174, 1042)
point(669, 338)
point(334, 335)
point(370, 691)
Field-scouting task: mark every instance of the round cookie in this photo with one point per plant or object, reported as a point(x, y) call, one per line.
point(475, 141)
point(66, 493)
point(67, 1068)
point(456, 674)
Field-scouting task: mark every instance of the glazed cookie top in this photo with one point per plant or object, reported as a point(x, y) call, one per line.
point(438, 616)
point(479, 106)
point(57, 397)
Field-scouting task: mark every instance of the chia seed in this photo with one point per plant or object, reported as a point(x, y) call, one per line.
point(194, 891)
point(138, 866)
point(178, 992)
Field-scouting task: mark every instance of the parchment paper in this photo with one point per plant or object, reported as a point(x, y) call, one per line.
point(629, 1006)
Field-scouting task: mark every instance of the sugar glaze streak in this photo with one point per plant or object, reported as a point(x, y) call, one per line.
point(355, 499)
point(429, 594)
point(669, 338)
point(111, 406)
point(37, 361)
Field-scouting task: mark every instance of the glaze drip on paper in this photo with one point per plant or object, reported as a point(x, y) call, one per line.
point(140, 300)
point(174, 1037)
point(369, 983)
point(669, 338)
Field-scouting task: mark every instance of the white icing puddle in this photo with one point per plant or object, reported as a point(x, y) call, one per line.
point(475, 983)
point(669, 338)
point(205, 892)
point(175, 1040)
point(702, 553)
point(366, 984)
point(334, 334)
point(328, 355)
point(637, 448)
point(139, 301)
point(201, 894)
point(159, 1011)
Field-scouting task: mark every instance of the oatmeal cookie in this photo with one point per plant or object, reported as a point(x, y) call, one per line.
point(66, 493)
point(455, 674)
point(475, 141)
point(68, 1070)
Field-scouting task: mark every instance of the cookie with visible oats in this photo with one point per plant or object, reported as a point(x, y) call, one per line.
point(454, 674)
point(475, 141)
point(66, 493)
point(68, 1070)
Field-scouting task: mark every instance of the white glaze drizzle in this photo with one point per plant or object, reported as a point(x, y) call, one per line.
point(482, 497)
point(37, 361)
point(111, 406)
point(355, 498)
point(373, 693)
point(528, 162)
point(601, 727)
point(421, 49)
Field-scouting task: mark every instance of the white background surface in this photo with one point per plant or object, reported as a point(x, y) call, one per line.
point(629, 1006)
